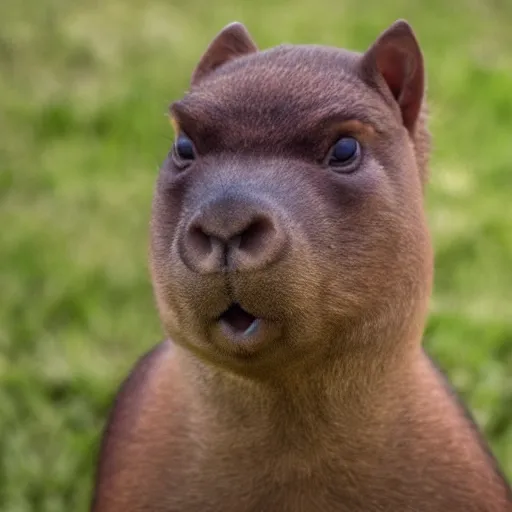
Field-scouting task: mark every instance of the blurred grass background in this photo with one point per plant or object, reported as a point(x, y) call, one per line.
point(84, 88)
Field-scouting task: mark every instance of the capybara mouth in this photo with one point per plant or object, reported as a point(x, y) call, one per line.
point(239, 321)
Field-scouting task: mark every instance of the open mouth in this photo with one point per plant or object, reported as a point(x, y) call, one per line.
point(238, 321)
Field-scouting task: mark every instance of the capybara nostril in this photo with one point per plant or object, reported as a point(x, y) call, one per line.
point(232, 234)
point(255, 235)
point(200, 242)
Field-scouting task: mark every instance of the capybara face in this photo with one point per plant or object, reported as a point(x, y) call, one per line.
point(288, 216)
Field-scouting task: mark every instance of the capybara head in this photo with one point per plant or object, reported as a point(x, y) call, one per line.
point(288, 217)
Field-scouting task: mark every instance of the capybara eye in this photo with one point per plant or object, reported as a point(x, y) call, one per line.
point(345, 152)
point(184, 148)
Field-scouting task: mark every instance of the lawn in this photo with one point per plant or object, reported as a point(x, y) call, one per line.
point(84, 88)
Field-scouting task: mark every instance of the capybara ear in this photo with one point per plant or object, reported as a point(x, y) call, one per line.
point(231, 42)
point(395, 61)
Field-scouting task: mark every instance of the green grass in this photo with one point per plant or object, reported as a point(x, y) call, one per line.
point(84, 88)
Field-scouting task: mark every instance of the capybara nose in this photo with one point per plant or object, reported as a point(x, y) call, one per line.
point(232, 234)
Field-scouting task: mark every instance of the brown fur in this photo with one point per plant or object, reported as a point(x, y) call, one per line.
point(333, 405)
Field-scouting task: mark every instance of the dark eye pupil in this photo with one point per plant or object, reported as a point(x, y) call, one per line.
point(344, 150)
point(184, 148)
